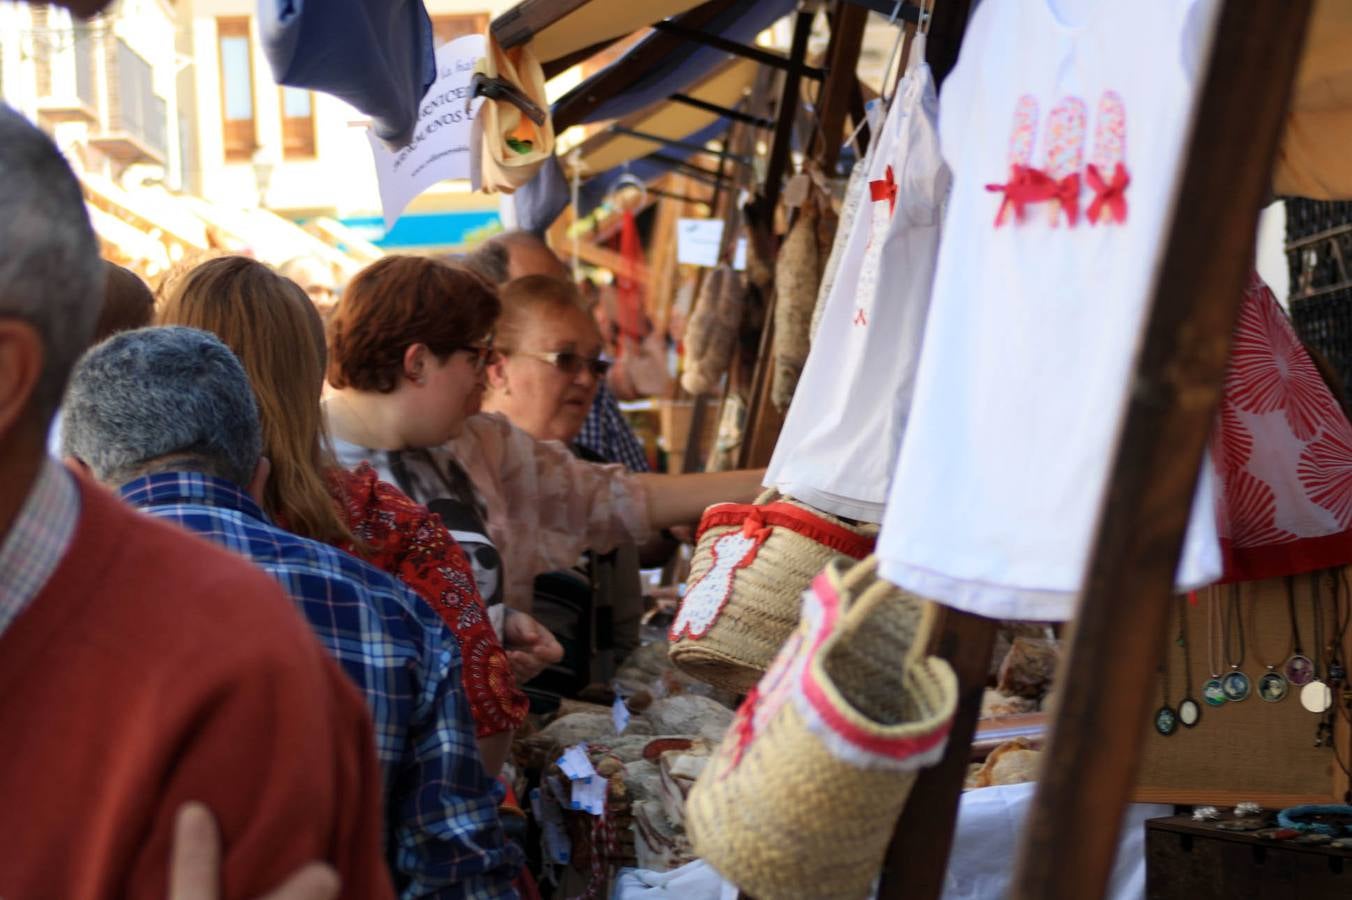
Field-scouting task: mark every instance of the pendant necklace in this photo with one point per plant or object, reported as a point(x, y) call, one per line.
point(1213, 692)
point(1334, 670)
point(1299, 670)
point(1316, 696)
point(1189, 710)
point(1272, 685)
point(1166, 719)
point(1235, 683)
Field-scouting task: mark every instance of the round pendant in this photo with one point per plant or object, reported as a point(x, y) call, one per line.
point(1236, 686)
point(1166, 721)
point(1299, 670)
point(1213, 693)
point(1316, 697)
point(1272, 687)
point(1189, 712)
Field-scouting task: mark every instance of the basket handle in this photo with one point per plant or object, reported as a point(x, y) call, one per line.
point(766, 496)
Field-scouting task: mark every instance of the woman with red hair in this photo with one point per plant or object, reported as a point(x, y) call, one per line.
point(408, 343)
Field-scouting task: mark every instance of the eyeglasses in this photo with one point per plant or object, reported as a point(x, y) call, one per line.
point(570, 363)
point(480, 355)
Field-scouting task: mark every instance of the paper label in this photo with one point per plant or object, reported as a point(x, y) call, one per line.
point(698, 241)
point(619, 715)
point(589, 795)
point(440, 148)
point(575, 764)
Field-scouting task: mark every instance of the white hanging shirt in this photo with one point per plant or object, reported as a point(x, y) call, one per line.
point(839, 442)
point(1065, 139)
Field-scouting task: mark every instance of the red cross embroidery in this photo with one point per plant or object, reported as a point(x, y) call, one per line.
point(885, 189)
point(860, 318)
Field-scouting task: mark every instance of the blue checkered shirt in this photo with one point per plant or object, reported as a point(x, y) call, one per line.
point(606, 433)
point(444, 838)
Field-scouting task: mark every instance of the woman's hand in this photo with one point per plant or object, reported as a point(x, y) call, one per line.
point(195, 864)
point(529, 645)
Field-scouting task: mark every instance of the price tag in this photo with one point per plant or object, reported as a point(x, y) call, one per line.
point(575, 763)
point(619, 715)
point(589, 795)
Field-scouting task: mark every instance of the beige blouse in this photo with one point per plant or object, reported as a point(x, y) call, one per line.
point(544, 505)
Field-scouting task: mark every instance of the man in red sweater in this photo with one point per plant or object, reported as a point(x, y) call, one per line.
point(142, 668)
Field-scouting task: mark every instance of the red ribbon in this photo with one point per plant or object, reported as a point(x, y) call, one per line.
point(1029, 185)
point(1110, 195)
point(885, 189)
point(1068, 195)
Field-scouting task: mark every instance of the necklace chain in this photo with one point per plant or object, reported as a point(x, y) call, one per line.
point(1233, 622)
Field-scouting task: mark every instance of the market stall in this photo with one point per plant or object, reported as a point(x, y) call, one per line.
point(984, 371)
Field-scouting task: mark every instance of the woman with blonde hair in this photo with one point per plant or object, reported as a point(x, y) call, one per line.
point(408, 345)
point(272, 327)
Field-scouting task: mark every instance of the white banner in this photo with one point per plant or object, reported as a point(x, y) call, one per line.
point(440, 149)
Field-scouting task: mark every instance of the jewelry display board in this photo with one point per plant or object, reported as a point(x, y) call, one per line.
point(1252, 749)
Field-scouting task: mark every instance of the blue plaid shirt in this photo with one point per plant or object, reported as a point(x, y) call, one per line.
point(444, 837)
point(606, 433)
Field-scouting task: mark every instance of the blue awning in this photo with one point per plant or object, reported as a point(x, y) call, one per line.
point(687, 63)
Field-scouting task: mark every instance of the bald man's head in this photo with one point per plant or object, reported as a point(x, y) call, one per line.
point(515, 254)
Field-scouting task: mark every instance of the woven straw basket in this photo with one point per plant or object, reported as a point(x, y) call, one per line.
point(752, 563)
point(801, 798)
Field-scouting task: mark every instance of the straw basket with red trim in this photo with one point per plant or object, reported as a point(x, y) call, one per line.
point(800, 799)
point(751, 565)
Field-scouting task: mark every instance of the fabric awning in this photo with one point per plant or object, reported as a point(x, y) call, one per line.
point(669, 119)
point(267, 236)
point(586, 25)
point(148, 210)
point(594, 190)
point(126, 244)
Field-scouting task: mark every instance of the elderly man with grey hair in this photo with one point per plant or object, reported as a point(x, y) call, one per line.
point(166, 416)
point(141, 669)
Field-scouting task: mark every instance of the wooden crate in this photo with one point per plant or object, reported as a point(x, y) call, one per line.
point(1187, 860)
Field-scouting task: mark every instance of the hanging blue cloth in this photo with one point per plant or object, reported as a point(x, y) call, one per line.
point(376, 55)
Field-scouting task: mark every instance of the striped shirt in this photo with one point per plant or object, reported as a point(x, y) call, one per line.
point(441, 808)
point(37, 540)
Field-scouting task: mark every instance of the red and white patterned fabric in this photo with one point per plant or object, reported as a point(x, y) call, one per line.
point(1282, 450)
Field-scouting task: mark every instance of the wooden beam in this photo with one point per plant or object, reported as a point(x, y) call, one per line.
point(609, 259)
point(522, 22)
point(1105, 686)
point(746, 51)
point(917, 858)
point(833, 102)
point(785, 113)
point(731, 115)
point(579, 103)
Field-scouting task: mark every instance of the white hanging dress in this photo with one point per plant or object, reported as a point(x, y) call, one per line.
point(839, 442)
point(1064, 124)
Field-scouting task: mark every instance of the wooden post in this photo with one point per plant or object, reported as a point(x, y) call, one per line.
point(1105, 685)
point(763, 420)
point(787, 110)
point(918, 855)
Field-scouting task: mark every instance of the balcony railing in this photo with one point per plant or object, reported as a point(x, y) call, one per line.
point(137, 122)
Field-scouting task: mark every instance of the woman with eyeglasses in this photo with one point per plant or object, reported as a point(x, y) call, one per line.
point(543, 377)
point(278, 336)
point(409, 343)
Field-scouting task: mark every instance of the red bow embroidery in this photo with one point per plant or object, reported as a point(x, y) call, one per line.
point(1110, 196)
point(1067, 193)
point(1029, 185)
point(885, 189)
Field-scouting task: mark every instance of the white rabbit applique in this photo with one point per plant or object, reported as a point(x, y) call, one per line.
point(708, 594)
